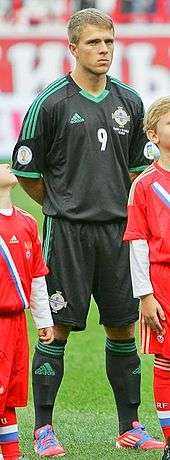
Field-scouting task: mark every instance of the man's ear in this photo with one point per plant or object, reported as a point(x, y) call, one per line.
point(73, 49)
point(152, 136)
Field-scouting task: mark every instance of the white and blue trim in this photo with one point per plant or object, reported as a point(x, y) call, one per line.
point(162, 193)
point(5, 253)
point(164, 418)
point(8, 433)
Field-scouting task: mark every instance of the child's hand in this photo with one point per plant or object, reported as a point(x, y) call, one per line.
point(46, 334)
point(152, 313)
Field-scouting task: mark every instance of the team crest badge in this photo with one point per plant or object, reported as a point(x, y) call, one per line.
point(160, 338)
point(24, 155)
point(28, 244)
point(121, 117)
point(57, 302)
point(28, 247)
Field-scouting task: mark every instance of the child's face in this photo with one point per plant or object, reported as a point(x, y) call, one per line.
point(163, 132)
point(7, 178)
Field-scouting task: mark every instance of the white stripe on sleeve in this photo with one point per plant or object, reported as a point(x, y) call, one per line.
point(39, 303)
point(139, 266)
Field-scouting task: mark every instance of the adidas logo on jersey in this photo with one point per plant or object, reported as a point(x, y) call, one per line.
point(76, 118)
point(45, 369)
point(13, 240)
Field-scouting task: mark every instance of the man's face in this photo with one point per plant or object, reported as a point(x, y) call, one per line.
point(94, 51)
point(7, 178)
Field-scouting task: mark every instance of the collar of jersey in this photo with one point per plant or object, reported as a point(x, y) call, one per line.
point(93, 98)
point(161, 170)
point(90, 96)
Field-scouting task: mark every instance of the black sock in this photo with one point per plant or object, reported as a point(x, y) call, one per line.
point(124, 375)
point(47, 374)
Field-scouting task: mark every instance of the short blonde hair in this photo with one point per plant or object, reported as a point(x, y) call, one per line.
point(159, 108)
point(82, 18)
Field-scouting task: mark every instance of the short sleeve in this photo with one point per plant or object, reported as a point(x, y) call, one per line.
point(137, 224)
point(30, 151)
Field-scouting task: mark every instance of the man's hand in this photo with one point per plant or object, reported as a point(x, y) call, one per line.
point(46, 334)
point(152, 313)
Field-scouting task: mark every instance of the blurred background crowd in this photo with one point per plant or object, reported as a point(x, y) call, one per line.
point(36, 12)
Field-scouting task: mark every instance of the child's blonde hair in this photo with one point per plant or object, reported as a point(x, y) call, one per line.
point(159, 108)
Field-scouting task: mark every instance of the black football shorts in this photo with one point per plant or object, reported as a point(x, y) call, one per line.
point(87, 259)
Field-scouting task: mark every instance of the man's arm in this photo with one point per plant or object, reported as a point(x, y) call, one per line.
point(134, 175)
point(34, 187)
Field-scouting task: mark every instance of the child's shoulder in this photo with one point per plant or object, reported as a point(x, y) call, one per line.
point(146, 177)
point(25, 215)
point(141, 183)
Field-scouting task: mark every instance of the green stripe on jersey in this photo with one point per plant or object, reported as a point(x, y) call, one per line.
point(47, 238)
point(124, 85)
point(138, 168)
point(30, 123)
point(26, 174)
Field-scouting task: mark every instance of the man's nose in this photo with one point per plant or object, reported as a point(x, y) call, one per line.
point(103, 47)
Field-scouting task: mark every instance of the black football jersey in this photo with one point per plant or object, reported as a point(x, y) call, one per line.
point(84, 147)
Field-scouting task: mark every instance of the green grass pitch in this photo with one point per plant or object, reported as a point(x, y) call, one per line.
point(84, 416)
